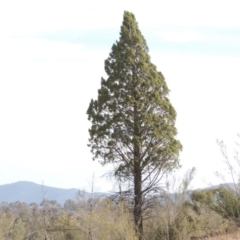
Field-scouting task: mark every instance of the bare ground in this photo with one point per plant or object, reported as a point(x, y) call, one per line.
point(232, 236)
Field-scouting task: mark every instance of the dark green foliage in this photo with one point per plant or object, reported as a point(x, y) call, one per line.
point(228, 203)
point(132, 119)
point(134, 96)
point(223, 200)
point(203, 199)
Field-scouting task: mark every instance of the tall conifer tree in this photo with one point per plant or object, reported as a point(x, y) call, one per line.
point(133, 121)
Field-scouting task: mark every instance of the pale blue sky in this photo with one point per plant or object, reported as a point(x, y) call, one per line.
point(52, 58)
point(166, 39)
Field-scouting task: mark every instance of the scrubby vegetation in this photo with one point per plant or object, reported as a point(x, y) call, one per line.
point(181, 215)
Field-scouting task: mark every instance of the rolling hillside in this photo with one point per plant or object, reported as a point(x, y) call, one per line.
point(31, 192)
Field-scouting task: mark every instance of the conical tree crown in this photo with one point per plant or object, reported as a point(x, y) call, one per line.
point(132, 110)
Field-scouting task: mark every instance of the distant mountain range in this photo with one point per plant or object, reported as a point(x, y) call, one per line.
point(31, 192)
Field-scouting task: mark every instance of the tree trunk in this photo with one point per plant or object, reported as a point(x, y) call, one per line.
point(138, 201)
point(137, 181)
